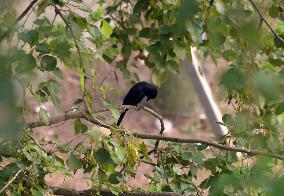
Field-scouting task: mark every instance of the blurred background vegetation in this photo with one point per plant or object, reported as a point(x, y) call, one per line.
point(56, 55)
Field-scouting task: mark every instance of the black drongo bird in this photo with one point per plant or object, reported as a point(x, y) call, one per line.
point(136, 94)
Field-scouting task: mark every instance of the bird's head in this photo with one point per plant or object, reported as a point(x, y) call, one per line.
point(150, 91)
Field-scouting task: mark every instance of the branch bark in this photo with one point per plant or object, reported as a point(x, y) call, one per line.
point(216, 145)
point(81, 114)
point(105, 192)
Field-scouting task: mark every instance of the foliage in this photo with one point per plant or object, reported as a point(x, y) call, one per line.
point(160, 33)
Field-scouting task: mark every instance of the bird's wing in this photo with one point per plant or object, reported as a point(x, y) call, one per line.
point(134, 96)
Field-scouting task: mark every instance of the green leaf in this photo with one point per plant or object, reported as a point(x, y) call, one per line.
point(74, 163)
point(80, 21)
point(112, 107)
point(60, 47)
point(30, 37)
point(120, 154)
point(115, 178)
point(249, 31)
point(227, 119)
point(82, 79)
point(276, 62)
point(26, 64)
point(232, 79)
point(77, 1)
point(197, 158)
point(186, 156)
point(53, 88)
point(48, 63)
point(41, 7)
point(186, 11)
point(138, 7)
point(97, 14)
point(229, 55)
point(177, 170)
point(79, 127)
point(145, 32)
point(143, 148)
point(267, 85)
point(274, 11)
point(104, 160)
point(211, 164)
point(43, 116)
point(173, 66)
point(78, 101)
point(106, 29)
point(42, 48)
point(115, 190)
point(216, 39)
point(279, 109)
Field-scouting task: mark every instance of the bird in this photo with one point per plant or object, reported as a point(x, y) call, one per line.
point(136, 95)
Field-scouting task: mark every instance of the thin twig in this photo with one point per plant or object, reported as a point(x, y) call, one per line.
point(36, 143)
point(265, 21)
point(149, 162)
point(219, 146)
point(162, 127)
point(20, 17)
point(67, 23)
point(66, 144)
point(10, 181)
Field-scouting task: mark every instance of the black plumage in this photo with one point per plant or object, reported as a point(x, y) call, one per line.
point(136, 94)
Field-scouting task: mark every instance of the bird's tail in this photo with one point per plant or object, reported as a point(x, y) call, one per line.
point(121, 116)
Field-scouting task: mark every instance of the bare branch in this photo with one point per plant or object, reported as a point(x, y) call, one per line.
point(162, 127)
point(56, 119)
point(81, 114)
point(200, 141)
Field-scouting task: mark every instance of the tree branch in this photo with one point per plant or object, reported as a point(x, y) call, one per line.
point(262, 19)
point(81, 114)
point(105, 192)
point(213, 144)
point(162, 127)
point(10, 181)
point(20, 17)
point(56, 119)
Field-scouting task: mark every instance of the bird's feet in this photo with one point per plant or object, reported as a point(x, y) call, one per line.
point(139, 106)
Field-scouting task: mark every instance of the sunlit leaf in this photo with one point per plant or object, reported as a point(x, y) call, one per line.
point(106, 29)
point(43, 116)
